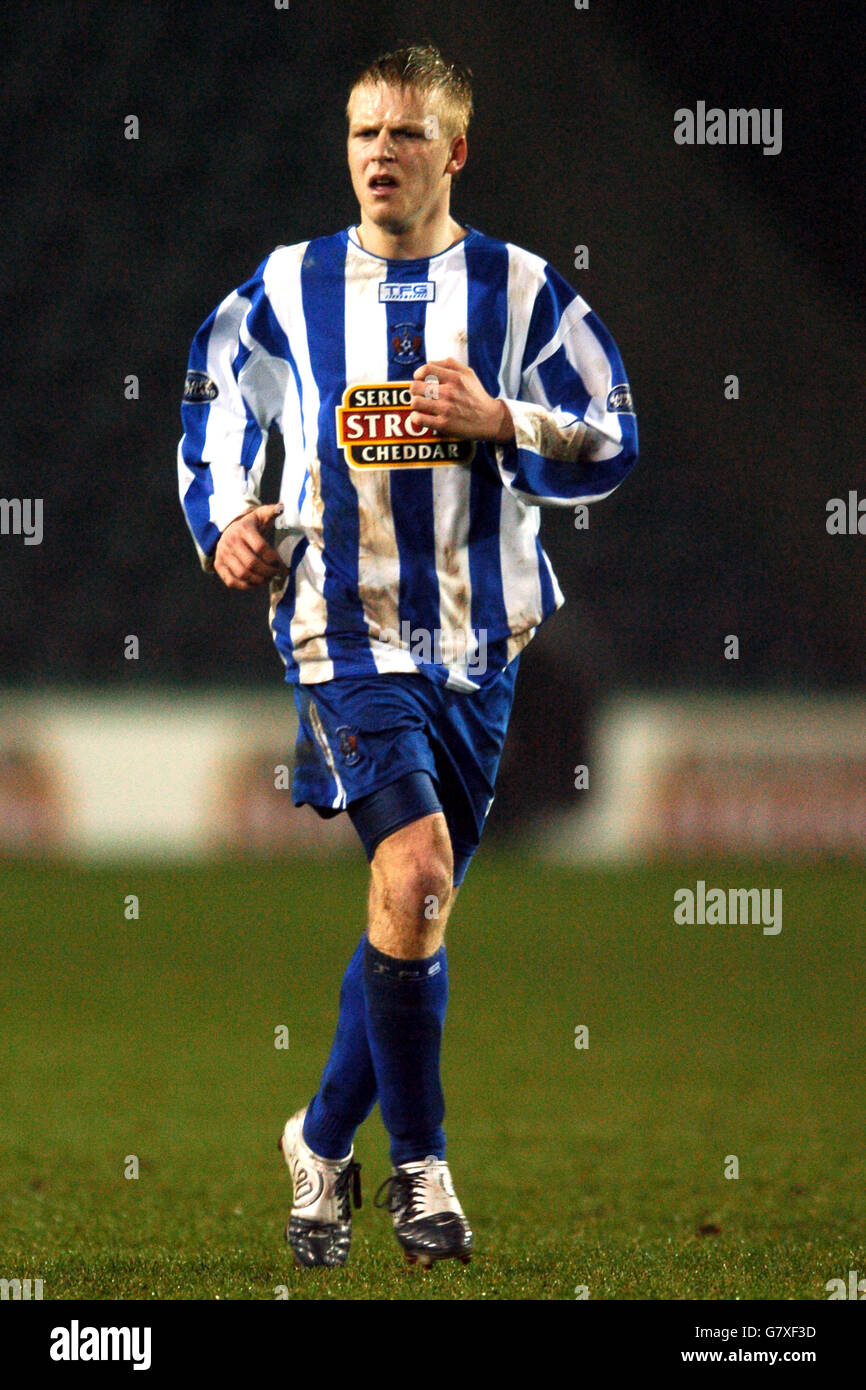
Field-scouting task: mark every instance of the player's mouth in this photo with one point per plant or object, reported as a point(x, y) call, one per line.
point(381, 185)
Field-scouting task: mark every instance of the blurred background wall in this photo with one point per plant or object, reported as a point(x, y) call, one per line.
point(703, 261)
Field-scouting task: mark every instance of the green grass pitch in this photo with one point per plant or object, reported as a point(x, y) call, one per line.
point(600, 1168)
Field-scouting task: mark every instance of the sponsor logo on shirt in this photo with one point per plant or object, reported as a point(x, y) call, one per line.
point(619, 401)
point(198, 387)
point(374, 431)
point(407, 292)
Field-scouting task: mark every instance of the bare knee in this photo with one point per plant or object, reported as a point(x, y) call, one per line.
point(412, 889)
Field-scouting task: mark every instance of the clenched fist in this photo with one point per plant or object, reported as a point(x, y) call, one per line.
point(448, 397)
point(243, 558)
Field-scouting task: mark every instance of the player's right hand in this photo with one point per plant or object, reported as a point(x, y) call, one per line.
point(243, 558)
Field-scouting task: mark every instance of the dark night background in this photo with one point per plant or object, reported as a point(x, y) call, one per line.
point(703, 262)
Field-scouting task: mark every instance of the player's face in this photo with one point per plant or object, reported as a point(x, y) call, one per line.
point(400, 157)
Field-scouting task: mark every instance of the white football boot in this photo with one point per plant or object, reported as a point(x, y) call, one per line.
point(320, 1224)
point(429, 1221)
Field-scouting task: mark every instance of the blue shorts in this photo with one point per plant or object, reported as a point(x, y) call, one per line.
point(357, 735)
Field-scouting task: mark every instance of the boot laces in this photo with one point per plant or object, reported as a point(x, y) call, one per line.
point(351, 1174)
point(403, 1194)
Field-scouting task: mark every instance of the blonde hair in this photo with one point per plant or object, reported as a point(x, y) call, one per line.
point(423, 68)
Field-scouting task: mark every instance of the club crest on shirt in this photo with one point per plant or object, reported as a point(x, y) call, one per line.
point(199, 387)
point(374, 431)
point(406, 341)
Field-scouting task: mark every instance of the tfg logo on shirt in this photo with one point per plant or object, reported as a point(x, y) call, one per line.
point(374, 431)
point(407, 292)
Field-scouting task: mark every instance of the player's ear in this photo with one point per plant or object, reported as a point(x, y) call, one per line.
point(458, 155)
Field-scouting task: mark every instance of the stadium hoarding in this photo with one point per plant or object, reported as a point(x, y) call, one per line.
point(771, 775)
point(164, 776)
point(173, 776)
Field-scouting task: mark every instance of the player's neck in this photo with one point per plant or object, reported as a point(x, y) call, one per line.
point(416, 244)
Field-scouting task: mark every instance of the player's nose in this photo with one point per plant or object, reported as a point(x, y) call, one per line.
point(383, 146)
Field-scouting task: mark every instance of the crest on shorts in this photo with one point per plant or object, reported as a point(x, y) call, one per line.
point(349, 745)
point(406, 341)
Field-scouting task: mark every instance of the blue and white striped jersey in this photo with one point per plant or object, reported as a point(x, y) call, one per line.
point(405, 550)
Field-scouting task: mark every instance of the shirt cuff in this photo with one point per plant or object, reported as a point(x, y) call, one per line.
point(551, 433)
point(229, 509)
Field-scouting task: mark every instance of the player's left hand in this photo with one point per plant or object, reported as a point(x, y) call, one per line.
point(448, 397)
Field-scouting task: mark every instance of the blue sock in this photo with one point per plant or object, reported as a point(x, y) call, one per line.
point(347, 1091)
point(406, 1002)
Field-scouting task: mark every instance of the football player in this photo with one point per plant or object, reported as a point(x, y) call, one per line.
point(434, 387)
